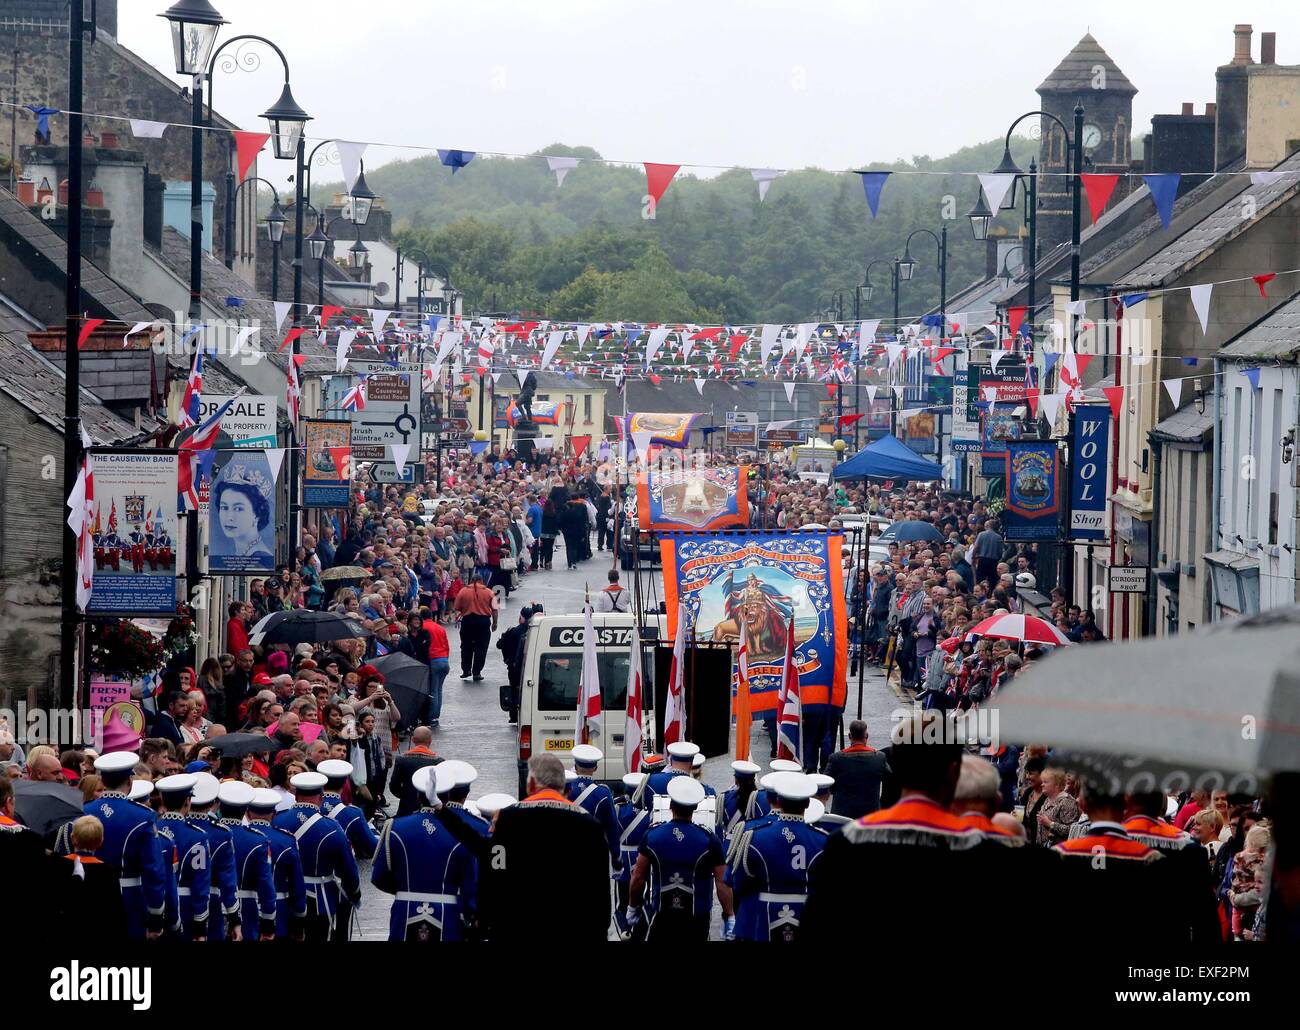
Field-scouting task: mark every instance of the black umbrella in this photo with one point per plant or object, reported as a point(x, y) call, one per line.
point(304, 626)
point(236, 745)
point(408, 681)
point(910, 531)
point(45, 806)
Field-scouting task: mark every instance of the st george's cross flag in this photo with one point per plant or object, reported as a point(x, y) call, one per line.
point(674, 708)
point(633, 733)
point(588, 681)
point(789, 720)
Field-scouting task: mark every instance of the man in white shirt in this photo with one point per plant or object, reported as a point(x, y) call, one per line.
point(614, 598)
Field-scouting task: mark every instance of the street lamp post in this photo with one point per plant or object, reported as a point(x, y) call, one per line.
point(275, 223)
point(866, 291)
point(980, 217)
point(909, 266)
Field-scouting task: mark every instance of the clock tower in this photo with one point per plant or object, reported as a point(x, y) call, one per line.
point(1089, 77)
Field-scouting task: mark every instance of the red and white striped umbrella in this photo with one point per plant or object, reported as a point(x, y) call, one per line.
point(1029, 629)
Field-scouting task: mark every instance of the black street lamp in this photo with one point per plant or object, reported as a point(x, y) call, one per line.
point(941, 245)
point(1074, 141)
point(363, 198)
point(194, 25)
point(980, 216)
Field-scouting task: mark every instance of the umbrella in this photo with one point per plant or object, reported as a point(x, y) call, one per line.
point(302, 625)
point(911, 530)
point(236, 745)
point(345, 572)
point(1028, 629)
point(45, 806)
point(310, 730)
point(407, 680)
point(1225, 699)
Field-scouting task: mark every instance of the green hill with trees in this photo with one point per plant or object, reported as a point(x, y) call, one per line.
point(515, 243)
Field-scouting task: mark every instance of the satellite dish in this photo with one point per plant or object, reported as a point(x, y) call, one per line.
point(381, 289)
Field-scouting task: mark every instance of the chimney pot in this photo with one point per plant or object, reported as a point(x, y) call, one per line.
point(1241, 35)
point(1188, 108)
point(1211, 109)
point(1268, 48)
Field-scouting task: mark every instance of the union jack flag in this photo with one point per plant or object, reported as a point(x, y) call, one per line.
point(190, 402)
point(202, 439)
point(355, 398)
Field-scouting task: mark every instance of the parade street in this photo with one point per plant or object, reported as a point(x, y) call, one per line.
point(474, 728)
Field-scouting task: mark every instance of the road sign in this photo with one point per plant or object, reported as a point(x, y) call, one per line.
point(392, 411)
point(742, 429)
point(386, 472)
point(785, 436)
point(1128, 579)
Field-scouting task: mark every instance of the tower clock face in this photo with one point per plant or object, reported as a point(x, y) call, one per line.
point(1091, 136)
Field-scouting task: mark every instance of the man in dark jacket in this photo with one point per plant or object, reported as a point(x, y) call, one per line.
point(511, 645)
point(420, 754)
point(858, 771)
point(882, 593)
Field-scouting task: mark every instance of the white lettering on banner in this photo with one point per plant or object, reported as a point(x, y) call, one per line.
point(1087, 520)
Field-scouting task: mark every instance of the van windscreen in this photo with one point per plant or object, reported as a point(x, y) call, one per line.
point(560, 671)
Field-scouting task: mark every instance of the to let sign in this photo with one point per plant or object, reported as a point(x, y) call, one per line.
point(1088, 450)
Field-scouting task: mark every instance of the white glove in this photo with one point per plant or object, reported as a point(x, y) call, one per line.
point(632, 916)
point(729, 928)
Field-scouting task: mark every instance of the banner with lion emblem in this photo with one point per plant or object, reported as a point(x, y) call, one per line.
point(765, 579)
point(693, 499)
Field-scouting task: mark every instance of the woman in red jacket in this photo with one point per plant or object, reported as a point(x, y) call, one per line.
point(237, 627)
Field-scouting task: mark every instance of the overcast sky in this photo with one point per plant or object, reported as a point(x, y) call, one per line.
point(754, 83)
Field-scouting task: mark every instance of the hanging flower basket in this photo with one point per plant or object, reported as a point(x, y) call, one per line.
point(119, 647)
point(181, 633)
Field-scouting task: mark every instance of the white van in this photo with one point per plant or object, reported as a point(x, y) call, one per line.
point(548, 687)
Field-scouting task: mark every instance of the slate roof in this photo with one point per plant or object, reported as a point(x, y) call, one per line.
point(220, 282)
point(1219, 227)
point(109, 298)
point(1186, 425)
point(38, 385)
point(1275, 337)
point(1075, 72)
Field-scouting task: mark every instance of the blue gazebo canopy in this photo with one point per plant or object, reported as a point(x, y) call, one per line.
point(888, 458)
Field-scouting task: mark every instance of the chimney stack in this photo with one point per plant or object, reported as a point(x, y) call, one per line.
point(1268, 48)
point(1188, 108)
point(1241, 44)
point(1211, 109)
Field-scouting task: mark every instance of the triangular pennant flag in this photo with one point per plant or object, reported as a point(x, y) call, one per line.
point(1261, 279)
point(654, 342)
point(379, 319)
point(1253, 375)
point(346, 336)
point(898, 389)
point(561, 166)
point(1164, 191)
point(767, 341)
point(872, 184)
point(995, 186)
point(789, 392)
point(1130, 300)
point(455, 159)
point(1098, 189)
point(274, 459)
point(1174, 387)
point(553, 341)
point(641, 441)
point(763, 177)
point(995, 357)
point(328, 311)
point(281, 312)
point(831, 388)
point(1115, 395)
point(521, 374)
point(477, 447)
point(1267, 178)
point(1049, 362)
point(1075, 307)
point(802, 337)
point(350, 155)
point(290, 336)
point(893, 350)
point(1031, 398)
point(1050, 403)
point(142, 128)
point(1200, 295)
point(871, 393)
point(342, 458)
point(580, 444)
point(400, 451)
point(699, 386)
point(657, 178)
point(867, 336)
point(583, 332)
point(247, 146)
point(990, 394)
point(1015, 316)
point(138, 327)
point(87, 327)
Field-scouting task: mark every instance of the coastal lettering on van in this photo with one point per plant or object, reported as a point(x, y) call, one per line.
point(606, 636)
